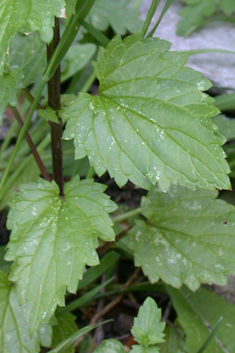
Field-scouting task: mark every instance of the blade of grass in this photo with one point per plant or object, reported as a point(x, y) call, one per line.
point(139, 287)
point(151, 12)
point(164, 10)
point(68, 36)
point(100, 37)
point(69, 341)
point(211, 336)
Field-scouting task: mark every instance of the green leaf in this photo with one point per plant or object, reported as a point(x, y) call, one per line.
point(148, 328)
point(76, 59)
point(228, 6)
point(27, 60)
point(52, 240)
point(70, 8)
point(28, 53)
point(14, 335)
point(48, 114)
point(225, 101)
point(151, 122)
point(189, 237)
point(9, 84)
point(45, 335)
point(198, 313)
point(116, 14)
point(173, 341)
point(110, 346)
point(32, 15)
point(194, 15)
point(4, 265)
point(226, 126)
point(65, 328)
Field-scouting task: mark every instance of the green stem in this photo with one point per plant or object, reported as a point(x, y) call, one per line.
point(230, 19)
point(150, 15)
point(205, 51)
point(54, 103)
point(127, 215)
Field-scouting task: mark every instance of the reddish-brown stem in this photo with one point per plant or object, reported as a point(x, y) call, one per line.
point(34, 151)
point(54, 103)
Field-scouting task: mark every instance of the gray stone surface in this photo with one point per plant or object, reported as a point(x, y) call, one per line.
point(219, 68)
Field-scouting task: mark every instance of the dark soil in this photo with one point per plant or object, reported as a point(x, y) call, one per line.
point(129, 195)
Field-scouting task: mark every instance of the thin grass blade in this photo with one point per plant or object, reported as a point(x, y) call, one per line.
point(164, 10)
point(69, 341)
point(152, 10)
point(100, 37)
point(211, 336)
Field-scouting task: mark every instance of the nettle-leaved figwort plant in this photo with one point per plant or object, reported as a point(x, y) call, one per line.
point(150, 123)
